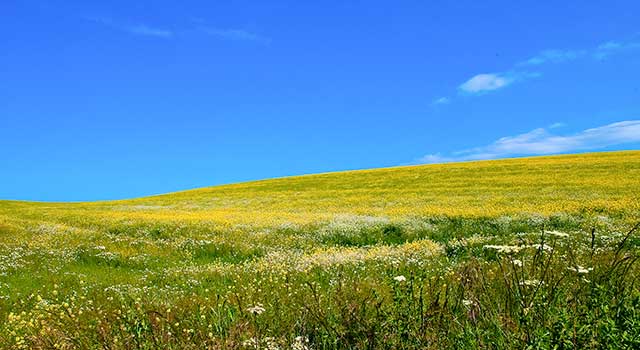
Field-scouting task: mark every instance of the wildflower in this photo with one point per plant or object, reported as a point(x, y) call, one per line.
point(251, 342)
point(467, 302)
point(517, 262)
point(558, 234)
point(542, 247)
point(508, 249)
point(400, 278)
point(256, 309)
point(530, 283)
point(300, 343)
point(581, 270)
point(271, 343)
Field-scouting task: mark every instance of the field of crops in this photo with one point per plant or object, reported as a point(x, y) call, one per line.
point(509, 254)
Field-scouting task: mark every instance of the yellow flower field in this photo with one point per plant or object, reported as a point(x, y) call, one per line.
point(332, 260)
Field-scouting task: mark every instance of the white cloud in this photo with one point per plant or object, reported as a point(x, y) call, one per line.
point(557, 125)
point(434, 159)
point(493, 81)
point(600, 52)
point(540, 142)
point(137, 29)
point(441, 101)
point(146, 30)
point(612, 47)
point(485, 82)
point(554, 56)
point(236, 34)
point(142, 29)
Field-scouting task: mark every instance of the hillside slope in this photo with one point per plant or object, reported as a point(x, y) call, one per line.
point(600, 182)
point(386, 258)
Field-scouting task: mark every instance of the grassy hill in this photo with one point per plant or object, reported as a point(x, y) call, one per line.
point(410, 257)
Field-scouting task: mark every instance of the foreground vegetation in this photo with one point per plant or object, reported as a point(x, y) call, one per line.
point(525, 253)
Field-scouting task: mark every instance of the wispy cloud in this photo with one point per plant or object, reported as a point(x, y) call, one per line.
point(553, 56)
point(199, 26)
point(613, 47)
point(493, 81)
point(541, 141)
point(137, 29)
point(441, 101)
point(236, 34)
point(486, 82)
point(599, 52)
point(557, 125)
point(142, 29)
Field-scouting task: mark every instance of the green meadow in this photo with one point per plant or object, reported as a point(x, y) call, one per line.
point(527, 253)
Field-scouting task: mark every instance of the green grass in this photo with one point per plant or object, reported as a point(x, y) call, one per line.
point(521, 253)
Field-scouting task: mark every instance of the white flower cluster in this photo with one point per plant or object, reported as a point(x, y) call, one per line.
point(507, 249)
point(400, 278)
point(558, 234)
point(256, 309)
point(580, 270)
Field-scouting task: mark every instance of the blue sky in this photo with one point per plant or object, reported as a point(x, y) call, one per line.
point(118, 99)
